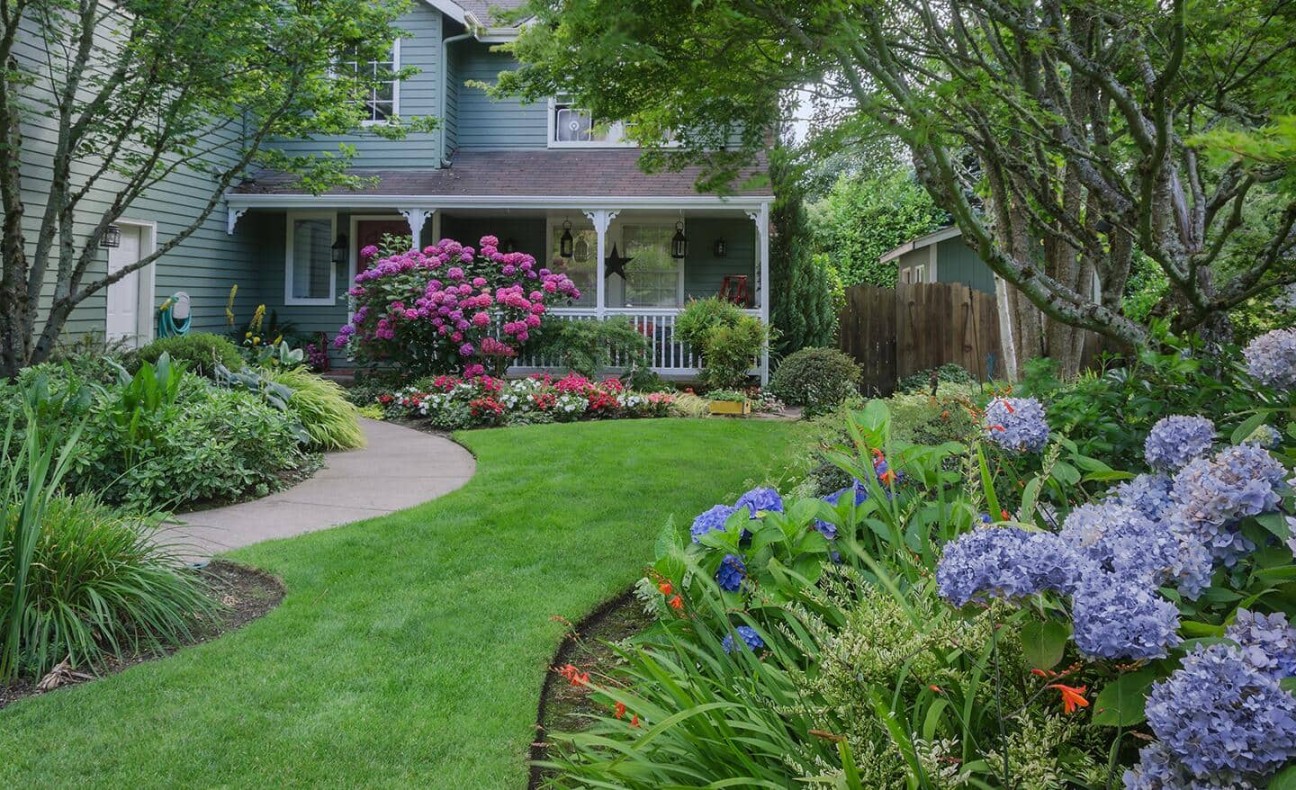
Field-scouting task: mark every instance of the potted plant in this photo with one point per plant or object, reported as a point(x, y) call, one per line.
point(729, 402)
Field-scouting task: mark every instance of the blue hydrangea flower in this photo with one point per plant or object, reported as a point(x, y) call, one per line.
point(750, 639)
point(1159, 770)
point(1005, 562)
point(1118, 616)
point(1119, 539)
point(1218, 716)
point(1271, 359)
point(711, 521)
point(761, 499)
point(827, 528)
point(731, 573)
point(1017, 424)
point(1214, 494)
point(1148, 494)
point(1267, 642)
point(1176, 440)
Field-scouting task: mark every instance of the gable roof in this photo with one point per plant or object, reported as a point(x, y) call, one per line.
point(602, 174)
point(478, 13)
point(952, 232)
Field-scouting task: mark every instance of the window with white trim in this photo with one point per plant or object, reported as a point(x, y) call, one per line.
point(571, 126)
point(653, 278)
point(381, 100)
point(308, 272)
point(582, 267)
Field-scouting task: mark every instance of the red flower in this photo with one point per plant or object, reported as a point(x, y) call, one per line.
point(634, 721)
point(666, 588)
point(620, 710)
point(1072, 696)
point(676, 602)
point(574, 675)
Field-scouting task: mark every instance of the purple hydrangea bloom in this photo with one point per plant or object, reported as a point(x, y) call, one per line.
point(1119, 539)
point(1159, 770)
point(828, 529)
point(1118, 616)
point(1176, 440)
point(750, 639)
point(712, 520)
point(759, 499)
point(731, 573)
point(1217, 716)
point(1148, 494)
point(1016, 424)
point(1213, 495)
point(1267, 642)
point(1005, 562)
point(1271, 359)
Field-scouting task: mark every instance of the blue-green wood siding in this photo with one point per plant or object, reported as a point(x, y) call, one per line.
point(420, 47)
point(487, 125)
point(958, 263)
point(703, 271)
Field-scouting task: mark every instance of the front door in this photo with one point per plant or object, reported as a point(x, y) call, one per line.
point(370, 232)
point(126, 296)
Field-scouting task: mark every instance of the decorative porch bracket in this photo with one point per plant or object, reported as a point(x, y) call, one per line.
point(417, 218)
point(761, 218)
point(231, 220)
point(602, 219)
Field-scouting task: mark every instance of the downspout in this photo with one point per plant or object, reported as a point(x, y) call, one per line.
point(445, 82)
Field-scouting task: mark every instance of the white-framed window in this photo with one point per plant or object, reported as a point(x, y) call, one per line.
point(582, 267)
point(309, 278)
point(382, 99)
point(653, 278)
point(571, 126)
point(913, 274)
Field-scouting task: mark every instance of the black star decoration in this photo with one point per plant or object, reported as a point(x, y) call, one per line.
point(615, 264)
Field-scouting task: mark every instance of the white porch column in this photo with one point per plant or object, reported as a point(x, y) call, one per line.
point(417, 218)
point(602, 219)
point(761, 218)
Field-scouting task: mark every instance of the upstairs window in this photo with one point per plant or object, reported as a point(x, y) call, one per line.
point(381, 100)
point(572, 126)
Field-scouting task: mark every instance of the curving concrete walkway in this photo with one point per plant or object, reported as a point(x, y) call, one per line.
point(398, 468)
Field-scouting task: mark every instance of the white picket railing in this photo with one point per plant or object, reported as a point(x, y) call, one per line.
point(668, 356)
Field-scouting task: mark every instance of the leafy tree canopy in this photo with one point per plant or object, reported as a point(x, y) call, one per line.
point(102, 101)
point(1071, 122)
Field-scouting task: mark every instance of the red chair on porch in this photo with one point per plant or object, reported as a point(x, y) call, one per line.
point(734, 289)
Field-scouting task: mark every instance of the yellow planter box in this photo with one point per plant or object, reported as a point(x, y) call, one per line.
point(730, 407)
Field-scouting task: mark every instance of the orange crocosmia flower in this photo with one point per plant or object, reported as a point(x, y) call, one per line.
point(634, 720)
point(935, 688)
point(676, 602)
point(1072, 696)
point(1009, 407)
point(619, 710)
point(574, 675)
point(1005, 515)
point(665, 588)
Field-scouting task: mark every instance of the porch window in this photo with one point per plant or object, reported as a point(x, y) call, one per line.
point(308, 275)
point(582, 267)
point(381, 100)
point(653, 278)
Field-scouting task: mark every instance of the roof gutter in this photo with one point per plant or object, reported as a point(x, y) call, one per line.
point(442, 161)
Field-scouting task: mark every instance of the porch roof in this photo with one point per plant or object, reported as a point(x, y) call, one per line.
point(603, 173)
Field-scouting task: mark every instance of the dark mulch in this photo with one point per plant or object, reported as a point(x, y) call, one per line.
point(244, 594)
point(564, 707)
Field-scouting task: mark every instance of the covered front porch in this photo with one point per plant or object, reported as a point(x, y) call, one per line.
point(638, 259)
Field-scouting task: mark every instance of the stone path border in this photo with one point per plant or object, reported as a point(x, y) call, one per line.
point(398, 468)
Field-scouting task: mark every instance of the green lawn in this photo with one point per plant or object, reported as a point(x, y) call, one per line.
point(410, 649)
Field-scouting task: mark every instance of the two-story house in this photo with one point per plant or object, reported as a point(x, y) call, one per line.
point(544, 178)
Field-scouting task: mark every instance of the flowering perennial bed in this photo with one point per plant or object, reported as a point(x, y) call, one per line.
point(454, 402)
point(893, 633)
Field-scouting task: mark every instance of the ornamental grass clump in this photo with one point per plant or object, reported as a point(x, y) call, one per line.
point(451, 308)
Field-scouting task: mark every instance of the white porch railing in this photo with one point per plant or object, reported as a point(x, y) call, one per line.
point(668, 355)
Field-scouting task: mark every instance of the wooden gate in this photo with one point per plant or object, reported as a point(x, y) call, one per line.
point(896, 332)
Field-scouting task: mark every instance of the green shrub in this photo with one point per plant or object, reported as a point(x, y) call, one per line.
point(201, 351)
point(700, 316)
point(322, 409)
point(949, 373)
point(99, 585)
point(590, 347)
point(726, 338)
point(947, 417)
point(817, 379)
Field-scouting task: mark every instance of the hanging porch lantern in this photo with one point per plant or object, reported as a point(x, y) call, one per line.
point(679, 243)
point(111, 237)
point(566, 242)
point(721, 250)
point(339, 249)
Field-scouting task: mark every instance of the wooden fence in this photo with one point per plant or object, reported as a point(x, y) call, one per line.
point(896, 332)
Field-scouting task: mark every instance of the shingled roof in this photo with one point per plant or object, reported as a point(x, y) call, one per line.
point(552, 172)
point(487, 11)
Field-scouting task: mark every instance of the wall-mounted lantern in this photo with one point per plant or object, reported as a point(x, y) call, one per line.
point(720, 249)
point(111, 237)
point(340, 248)
point(565, 243)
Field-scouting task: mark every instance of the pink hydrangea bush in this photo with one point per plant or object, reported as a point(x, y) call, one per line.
point(450, 308)
point(453, 402)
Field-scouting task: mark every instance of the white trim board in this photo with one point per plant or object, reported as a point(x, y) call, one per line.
point(238, 202)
